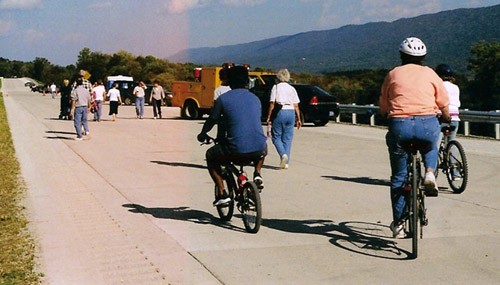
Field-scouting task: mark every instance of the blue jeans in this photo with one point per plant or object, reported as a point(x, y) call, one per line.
point(139, 106)
point(282, 132)
point(98, 114)
point(81, 119)
point(426, 130)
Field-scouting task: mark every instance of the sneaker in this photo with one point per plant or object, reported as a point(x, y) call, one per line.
point(78, 139)
point(258, 180)
point(286, 166)
point(221, 200)
point(87, 133)
point(398, 231)
point(430, 187)
point(283, 162)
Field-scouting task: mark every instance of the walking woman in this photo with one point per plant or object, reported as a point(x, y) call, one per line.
point(285, 98)
point(114, 101)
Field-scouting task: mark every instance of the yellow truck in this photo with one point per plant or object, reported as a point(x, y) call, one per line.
point(197, 98)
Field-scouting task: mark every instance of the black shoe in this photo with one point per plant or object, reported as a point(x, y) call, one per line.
point(221, 200)
point(258, 180)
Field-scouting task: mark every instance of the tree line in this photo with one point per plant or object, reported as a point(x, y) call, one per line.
point(479, 89)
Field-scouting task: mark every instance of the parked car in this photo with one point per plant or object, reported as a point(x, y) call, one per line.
point(29, 84)
point(316, 105)
point(42, 88)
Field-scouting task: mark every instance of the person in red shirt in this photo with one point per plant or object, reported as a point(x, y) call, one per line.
point(412, 95)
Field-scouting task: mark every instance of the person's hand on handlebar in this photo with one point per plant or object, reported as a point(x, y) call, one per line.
point(203, 137)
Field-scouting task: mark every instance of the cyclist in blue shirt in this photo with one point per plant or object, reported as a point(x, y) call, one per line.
point(244, 139)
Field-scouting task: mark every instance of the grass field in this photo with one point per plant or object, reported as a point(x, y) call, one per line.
point(17, 259)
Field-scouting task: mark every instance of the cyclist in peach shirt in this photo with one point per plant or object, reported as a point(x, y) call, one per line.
point(412, 95)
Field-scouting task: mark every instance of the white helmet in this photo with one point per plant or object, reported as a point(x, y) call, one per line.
point(413, 46)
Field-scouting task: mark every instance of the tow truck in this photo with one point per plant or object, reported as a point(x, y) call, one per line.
point(196, 98)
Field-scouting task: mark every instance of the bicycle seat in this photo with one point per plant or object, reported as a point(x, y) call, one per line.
point(414, 145)
point(245, 161)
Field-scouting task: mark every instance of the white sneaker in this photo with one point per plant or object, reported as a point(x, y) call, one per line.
point(430, 186)
point(398, 231)
point(284, 161)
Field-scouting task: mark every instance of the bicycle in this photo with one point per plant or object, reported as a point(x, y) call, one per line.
point(452, 161)
point(241, 190)
point(415, 198)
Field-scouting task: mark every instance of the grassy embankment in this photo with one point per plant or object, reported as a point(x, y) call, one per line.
point(17, 260)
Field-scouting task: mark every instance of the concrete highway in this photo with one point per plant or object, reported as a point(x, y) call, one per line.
point(132, 204)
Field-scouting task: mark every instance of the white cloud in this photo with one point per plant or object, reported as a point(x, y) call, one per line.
point(5, 27)
point(32, 36)
point(19, 4)
point(181, 6)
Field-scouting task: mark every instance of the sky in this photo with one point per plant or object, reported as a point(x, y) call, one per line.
point(59, 29)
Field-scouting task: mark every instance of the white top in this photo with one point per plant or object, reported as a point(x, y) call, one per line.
point(114, 94)
point(139, 92)
point(284, 94)
point(98, 92)
point(53, 88)
point(220, 90)
point(454, 95)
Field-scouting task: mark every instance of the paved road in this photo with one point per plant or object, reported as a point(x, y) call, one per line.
point(132, 205)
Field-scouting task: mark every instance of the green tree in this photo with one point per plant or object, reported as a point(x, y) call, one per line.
point(485, 63)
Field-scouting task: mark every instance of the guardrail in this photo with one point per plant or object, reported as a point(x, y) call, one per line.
point(466, 116)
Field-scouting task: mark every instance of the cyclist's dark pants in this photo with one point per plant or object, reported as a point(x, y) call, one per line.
point(219, 155)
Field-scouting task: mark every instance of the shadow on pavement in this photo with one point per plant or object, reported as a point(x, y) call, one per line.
point(192, 165)
point(177, 164)
point(358, 237)
point(361, 180)
point(182, 214)
point(58, 135)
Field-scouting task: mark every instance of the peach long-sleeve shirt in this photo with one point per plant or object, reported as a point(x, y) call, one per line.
point(412, 90)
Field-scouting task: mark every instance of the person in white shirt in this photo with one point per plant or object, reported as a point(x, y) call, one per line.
point(114, 100)
point(53, 90)
point(139, 93)
point(224, 87)
point(284, 95)
point(98, 93)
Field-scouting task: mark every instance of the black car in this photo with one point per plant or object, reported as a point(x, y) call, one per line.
point(316, 105)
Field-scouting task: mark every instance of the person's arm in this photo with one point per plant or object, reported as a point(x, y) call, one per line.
point(297, 114)
point(271, 107)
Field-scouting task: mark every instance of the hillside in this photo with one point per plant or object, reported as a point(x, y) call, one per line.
point(448, 35)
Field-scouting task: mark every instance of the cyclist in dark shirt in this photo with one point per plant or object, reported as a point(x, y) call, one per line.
point(240, 109)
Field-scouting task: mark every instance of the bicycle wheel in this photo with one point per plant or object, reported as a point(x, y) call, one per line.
point(226, 211)
point(457, 173)
point(414, 204)
point(251, 207)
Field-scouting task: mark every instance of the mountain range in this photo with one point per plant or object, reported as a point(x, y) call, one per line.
point(448, 35)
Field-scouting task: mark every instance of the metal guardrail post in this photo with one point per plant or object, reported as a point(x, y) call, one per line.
point(354, 116)
point(466, 126)
point(372, 118)
point(497, 129)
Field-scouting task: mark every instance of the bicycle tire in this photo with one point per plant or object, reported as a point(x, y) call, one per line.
point(457, 163)
point(226, 211)
point(251, 207)
point(414, 205)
